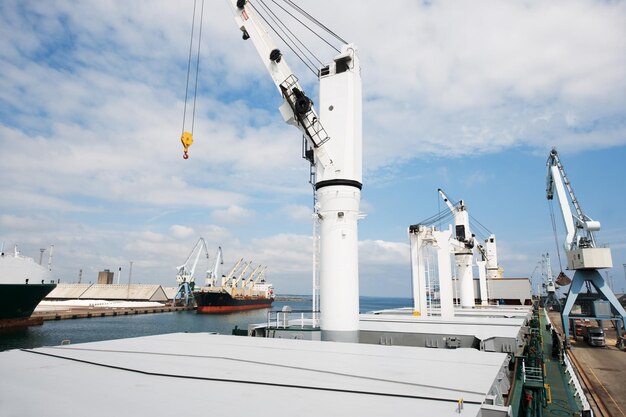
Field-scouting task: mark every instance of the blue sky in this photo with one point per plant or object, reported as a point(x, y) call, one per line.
point(464, 96)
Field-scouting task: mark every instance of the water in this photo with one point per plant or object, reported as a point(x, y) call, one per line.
point(52, 332)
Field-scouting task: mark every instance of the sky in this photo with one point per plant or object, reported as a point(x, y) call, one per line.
point(467, 96)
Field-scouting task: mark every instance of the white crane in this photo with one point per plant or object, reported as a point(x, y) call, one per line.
point(335, 152)
point(463, 253)
point(213, 274)
point(583, 255)
point(549, 283)
point(234, 282)
point(185, 273)
point(425, 289)
point(226, 278)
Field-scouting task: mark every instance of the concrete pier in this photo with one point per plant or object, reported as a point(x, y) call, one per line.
point(90, 312)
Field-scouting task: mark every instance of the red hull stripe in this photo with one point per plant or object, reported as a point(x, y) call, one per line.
point(228, 309)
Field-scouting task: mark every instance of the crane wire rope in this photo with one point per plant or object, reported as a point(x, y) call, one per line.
point(306, 26)
point(193, 22)
point(280, 22)
point(554, 231)
point(186, 137)
point(314, 20)
point(475, 221)
point(195, 91)
point(289, 45)
point(439, 208)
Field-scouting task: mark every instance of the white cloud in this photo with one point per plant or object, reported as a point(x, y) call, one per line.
point(179, 231)
point(233, 214)
point(298, 213)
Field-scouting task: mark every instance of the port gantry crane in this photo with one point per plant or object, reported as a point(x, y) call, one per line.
point(334, 150)
point(583, 254)
point(213, 274)
point(185, 275)
point(549, 283)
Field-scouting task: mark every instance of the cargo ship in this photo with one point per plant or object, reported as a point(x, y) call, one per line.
point(210, 301)
point(23, 284)
point(236, 291)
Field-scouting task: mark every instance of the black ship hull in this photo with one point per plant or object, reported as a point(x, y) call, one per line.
point(221, 302)
point(18, 301)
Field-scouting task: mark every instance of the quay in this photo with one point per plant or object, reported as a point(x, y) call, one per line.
point(91, 312)
point(601, 371)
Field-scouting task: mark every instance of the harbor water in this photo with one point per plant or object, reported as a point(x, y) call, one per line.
point(53, 333)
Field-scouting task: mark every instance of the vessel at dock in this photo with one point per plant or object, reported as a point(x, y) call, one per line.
point(23, 284)
point(235, 291)
point(209, 301)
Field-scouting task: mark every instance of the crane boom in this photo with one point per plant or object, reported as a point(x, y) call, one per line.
point(297, 109)
point(461, 220)
point(212, 274)
point(554, 161)
point(232, 272)
point(184, 273)
point(446, 200)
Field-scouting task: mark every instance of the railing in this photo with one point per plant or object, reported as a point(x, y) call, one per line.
point(288, 318)
point(573, 379)
point(532, 373)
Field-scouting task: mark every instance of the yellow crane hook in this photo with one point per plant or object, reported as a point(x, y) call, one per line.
point(186, 139)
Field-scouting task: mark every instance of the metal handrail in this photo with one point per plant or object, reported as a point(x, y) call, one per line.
point(281, 318)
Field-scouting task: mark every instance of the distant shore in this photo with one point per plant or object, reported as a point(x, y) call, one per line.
point(290, 298)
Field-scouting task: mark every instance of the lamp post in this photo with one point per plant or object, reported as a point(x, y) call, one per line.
point(130, 274)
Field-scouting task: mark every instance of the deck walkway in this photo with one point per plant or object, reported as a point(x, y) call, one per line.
point(563, 401)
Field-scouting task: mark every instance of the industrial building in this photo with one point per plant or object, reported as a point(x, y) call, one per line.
point(133, 292)
point(105, 277)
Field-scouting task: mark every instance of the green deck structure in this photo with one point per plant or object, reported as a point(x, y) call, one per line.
point(541, 385)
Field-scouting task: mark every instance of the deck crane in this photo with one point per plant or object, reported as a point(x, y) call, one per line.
point(255, 277)
point(335, 152)
point(245, 281)
point(463, 254)
point(185, 274)
point(423, 236)
point(583, 254)
point(234, 282)
point(231, 274)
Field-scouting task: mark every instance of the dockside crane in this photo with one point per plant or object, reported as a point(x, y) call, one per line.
point(185, 273)
point(583, 254)
point(333, 146)
point(214, 273)
point(549, 282)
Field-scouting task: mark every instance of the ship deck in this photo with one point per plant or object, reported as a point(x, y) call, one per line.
point(258, 376)
point(562, 396)
point(601, 370)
